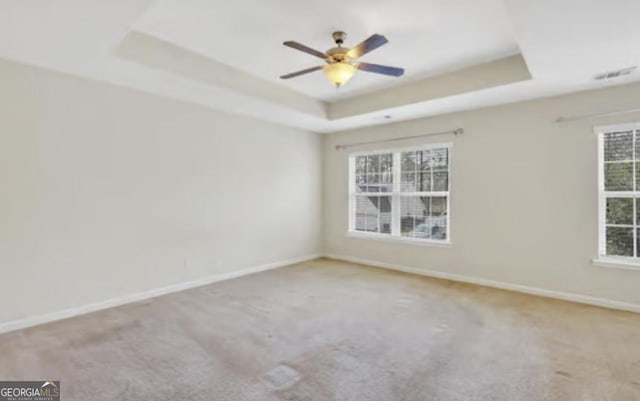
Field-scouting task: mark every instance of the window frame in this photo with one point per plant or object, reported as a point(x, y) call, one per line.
point(396, 194)
point(603, 259)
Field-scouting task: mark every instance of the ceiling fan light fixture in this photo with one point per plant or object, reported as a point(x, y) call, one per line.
point(342, 62)
point(339, 73)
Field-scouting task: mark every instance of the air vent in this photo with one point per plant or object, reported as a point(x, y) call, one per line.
point(615, 74)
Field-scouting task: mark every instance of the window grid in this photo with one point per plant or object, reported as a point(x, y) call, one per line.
point(618, 146)
point(634, 192)
point(633, 202)
point(430, 164)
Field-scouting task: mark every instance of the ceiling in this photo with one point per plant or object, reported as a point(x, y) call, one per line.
point(458, 54)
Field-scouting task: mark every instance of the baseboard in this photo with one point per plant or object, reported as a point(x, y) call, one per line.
point(583, 299)
point(156, 292)
point(126, 299)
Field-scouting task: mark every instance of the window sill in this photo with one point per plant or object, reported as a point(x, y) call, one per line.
point(400, 240)
point(615, 263)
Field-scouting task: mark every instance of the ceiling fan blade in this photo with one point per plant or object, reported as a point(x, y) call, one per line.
point(301, 72)
point(381, 69)
point(306, 49)
point(373, 42)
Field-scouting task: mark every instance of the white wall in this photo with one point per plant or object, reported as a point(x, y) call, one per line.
point(523, 196)
point(107, 191)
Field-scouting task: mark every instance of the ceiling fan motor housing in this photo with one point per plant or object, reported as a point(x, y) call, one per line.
point(338, 55)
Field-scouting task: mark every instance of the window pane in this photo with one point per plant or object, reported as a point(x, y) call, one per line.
point(431, 170)
point(440, 158)
point(361, 165)
point(386, 163)
point(423, 160)
point(373, 183)
point(423, 217)
point(438, 206)
point(618, 146)
point(373, 164)
point(374, 173)
point(386, 183)
point(363, 210)
point(373, 214)
point(440, 180)
point(413, 212)
point(620, 211)
point(385, 223)
point(423, 181)
point(386, 172)
point(619, 241)
point(408, 183)
point(618, 176)
point(408, 161)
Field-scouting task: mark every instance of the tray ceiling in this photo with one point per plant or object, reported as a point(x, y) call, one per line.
point(459, 54)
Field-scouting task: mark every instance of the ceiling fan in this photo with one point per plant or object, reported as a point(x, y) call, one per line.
point(341, 62)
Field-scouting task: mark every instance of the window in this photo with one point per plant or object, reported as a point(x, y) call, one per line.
point(401, 194)
point(619, 191)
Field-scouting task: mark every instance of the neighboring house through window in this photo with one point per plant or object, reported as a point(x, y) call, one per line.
point(401, 193)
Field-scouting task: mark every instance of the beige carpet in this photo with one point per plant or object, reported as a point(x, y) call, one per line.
point(327, 330)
